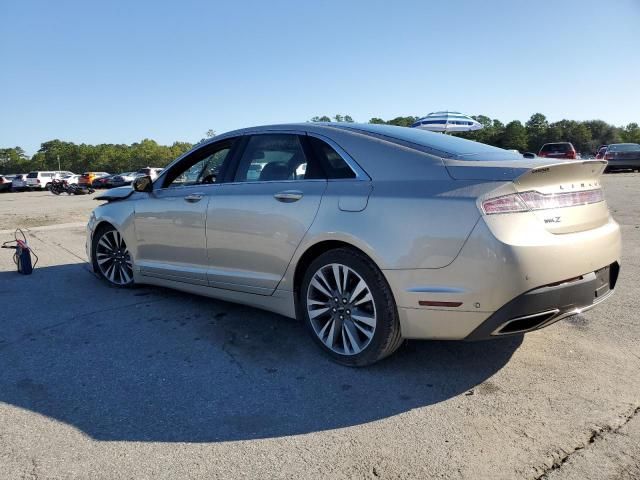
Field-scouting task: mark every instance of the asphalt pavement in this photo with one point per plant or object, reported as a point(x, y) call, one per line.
point(104, 383)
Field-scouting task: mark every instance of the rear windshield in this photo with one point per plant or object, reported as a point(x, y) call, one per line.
point(624, 147)
point(556, 148)
point(438, 144)
point(32, 175)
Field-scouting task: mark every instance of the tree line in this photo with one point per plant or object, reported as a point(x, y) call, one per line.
point(586, 136)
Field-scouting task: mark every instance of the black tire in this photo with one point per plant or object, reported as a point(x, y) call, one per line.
point(117, 281)
point(387, 336)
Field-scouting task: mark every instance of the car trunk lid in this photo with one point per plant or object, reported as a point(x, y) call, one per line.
point(565, 197)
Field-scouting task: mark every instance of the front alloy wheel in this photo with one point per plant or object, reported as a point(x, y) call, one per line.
point(349, 308)
point(112, 258)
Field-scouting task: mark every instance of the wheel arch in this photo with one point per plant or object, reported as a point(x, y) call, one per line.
point(314, 251)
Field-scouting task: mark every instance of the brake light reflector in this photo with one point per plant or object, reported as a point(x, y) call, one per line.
point(532, 200)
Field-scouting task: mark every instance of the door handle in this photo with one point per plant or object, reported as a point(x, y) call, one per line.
point(194, 197)
point(288, 196)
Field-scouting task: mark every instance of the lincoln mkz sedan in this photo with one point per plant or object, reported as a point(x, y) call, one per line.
point(370, 234)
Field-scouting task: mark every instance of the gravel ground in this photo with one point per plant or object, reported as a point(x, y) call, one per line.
point(148, 383)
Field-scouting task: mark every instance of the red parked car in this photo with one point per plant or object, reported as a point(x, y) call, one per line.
point(561, 150)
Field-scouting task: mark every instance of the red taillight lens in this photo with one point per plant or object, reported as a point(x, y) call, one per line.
point(505, 204)
point(37, 180)
point(571, 154)
point(608, 155)
point(532, 200)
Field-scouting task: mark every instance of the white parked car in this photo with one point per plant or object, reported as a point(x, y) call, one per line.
point(42, 179)
point(71, 179)
point(152, 172)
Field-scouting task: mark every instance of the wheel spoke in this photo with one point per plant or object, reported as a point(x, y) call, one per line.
point(124, 275)
point(336, 277)
point(367, 333)
point(319, 311)
point(352, 335)
point(316, 302)
point(110, 272)
point(366, 298)
point(344, 341)
point(360, 287)
point(345, 276)
point(102, 258)
point(366, 319)
point(104, 242)
point(320, 288)
point(330, 337)
point(325, 283)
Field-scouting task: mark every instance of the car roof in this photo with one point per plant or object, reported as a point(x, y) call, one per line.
point(447, 146)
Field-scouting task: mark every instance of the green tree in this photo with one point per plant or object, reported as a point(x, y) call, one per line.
point(631, 133)
point(537, 127)
point(515, 136)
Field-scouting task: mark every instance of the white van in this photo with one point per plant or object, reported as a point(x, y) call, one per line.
point(42, 179)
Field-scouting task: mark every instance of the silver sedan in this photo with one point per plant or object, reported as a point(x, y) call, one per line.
point(370, 234)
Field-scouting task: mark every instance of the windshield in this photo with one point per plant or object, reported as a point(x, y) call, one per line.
point(438, 144)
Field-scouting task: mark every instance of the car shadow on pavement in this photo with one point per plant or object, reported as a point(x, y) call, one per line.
point(153, 365)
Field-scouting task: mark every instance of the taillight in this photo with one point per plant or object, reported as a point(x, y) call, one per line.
point(505, 204)
point(608, 155)
point(37, 180)
point(571, 154)
point(532, 200)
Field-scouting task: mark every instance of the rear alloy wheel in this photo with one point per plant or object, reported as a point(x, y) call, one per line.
point(111, 258)
point(349, 308)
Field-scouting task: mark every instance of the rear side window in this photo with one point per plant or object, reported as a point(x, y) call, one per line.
point(334, 165)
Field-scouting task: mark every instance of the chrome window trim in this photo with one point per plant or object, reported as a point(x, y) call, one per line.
point(360, 174)
point(173, 189)
point(256, 182)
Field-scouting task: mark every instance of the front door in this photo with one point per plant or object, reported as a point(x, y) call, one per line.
point(170, 223)
point(256, 222)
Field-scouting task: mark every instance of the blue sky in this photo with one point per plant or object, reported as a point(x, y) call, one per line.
point(119, 71)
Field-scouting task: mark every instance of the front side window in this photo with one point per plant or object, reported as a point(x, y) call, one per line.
point(276, 157)
point(200, 168)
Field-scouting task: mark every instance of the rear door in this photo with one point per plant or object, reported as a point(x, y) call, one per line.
point(170, 221)
point(256, 221)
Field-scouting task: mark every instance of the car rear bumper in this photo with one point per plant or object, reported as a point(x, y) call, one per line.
point(624, 164)
point(479, 286)
point(543, 306)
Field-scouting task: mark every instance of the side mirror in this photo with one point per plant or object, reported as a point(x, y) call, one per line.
point(143, 184)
